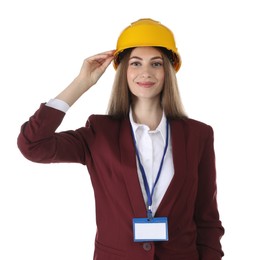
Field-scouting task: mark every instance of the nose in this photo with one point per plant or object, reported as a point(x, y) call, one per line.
point(146, 72)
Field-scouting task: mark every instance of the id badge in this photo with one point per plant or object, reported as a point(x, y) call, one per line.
point(155, 229)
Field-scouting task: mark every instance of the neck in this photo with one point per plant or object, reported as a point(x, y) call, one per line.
point(146, 113)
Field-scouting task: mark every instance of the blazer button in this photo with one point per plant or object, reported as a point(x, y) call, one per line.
point(147, 246)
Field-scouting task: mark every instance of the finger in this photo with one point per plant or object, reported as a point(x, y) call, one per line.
point(111, 52)
point(100, 57)
point(107, 62)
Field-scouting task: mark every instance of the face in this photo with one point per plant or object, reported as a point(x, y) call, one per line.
point(145, 73)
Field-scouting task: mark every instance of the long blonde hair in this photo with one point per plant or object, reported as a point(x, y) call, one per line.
point(121, 98)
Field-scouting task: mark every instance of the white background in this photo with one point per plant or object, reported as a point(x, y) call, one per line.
point(47, 211)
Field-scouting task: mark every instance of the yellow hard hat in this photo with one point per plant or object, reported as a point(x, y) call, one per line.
point(147, 32)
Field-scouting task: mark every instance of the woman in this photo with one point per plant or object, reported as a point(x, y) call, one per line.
point(152, 168)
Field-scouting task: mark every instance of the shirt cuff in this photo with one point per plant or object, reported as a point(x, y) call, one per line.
point(58, 104)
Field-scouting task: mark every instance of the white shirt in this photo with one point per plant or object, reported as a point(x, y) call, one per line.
point(150, 145)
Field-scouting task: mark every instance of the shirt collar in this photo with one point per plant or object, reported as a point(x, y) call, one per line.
point(161, 128)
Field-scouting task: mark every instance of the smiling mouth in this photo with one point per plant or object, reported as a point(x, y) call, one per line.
point(145, 84)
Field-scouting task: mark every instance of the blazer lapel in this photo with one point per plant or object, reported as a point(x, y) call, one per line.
point(129, 166)
point(180, 166)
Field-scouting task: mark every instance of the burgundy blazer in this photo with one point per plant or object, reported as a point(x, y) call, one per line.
point(106, 147)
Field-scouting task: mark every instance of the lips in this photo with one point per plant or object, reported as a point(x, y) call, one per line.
point(147, 84)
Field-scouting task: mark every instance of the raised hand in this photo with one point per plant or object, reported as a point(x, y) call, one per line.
point(92, 69)
point(94, 66)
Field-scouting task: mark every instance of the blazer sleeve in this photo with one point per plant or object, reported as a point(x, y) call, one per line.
point(39, 142)
point(209, 228)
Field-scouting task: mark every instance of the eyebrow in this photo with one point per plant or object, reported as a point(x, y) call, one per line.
point(139, 58)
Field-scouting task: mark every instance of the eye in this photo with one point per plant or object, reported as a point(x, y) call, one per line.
point(157, 64)
point(135, 63)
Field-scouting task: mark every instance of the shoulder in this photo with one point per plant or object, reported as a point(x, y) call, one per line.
point(105, 122)
point(193, 123)
point(193, 127)
point(99, 119)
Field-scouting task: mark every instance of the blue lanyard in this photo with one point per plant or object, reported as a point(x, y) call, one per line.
point(146, 185)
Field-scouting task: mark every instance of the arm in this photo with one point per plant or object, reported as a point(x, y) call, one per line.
point(38, 140)
point(91, 70)
point(209, 228)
